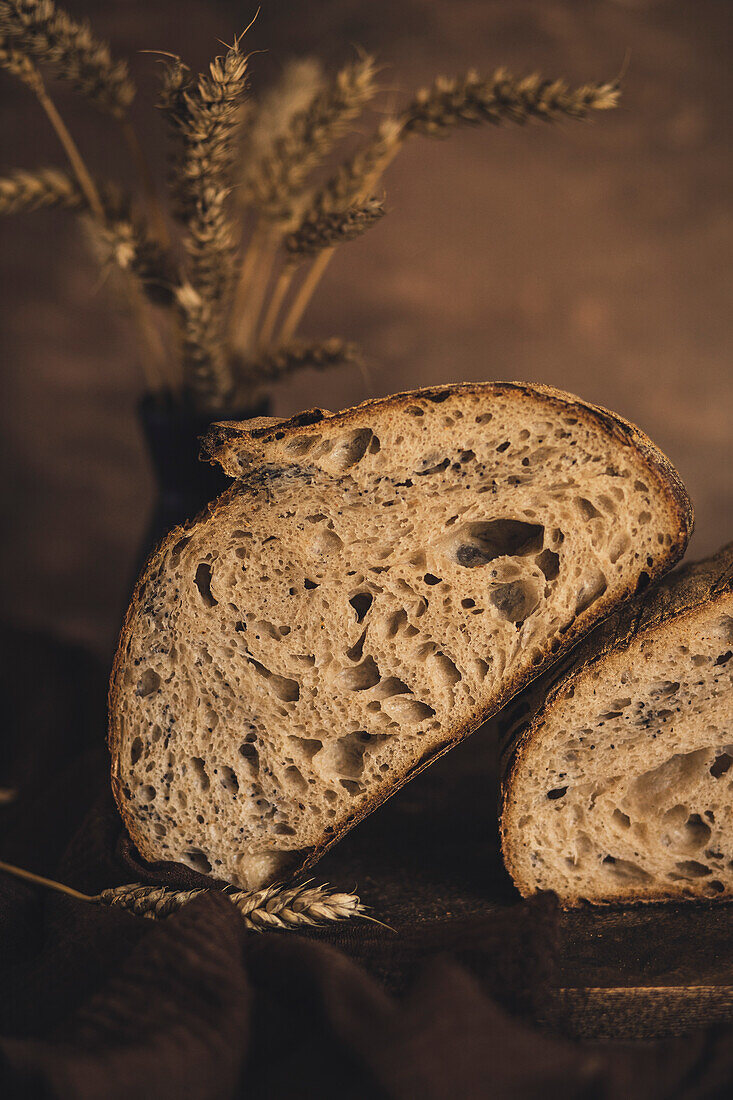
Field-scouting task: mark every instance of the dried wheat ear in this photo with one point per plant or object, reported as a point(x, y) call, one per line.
point(619, 787)
point(373, 585)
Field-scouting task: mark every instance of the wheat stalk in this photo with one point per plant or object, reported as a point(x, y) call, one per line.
point(434, 112)
point(503, 97)
point(276, 363)
point(274, 907)
point(70, 50)
point(275, 186)
point(320, 230)
point(300, 82)
point(45, 187)
point(278, 180)
point(205, 115)
point(17, 62)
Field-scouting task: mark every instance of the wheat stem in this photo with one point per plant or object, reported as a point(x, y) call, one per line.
point(156, 369)
point(277, 298)
point(306, 290)
point(366, 185)
point(273, 364)
point(39, 880)
point(254, 281)
point(278, 182)
point(72, 151)
point(248, 266)
point(70, 50)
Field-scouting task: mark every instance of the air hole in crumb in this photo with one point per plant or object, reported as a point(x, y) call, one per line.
point(414, 410)
point(374, 446)
point(390, 686)
point(147, 793)
point(625, 870)
point(352, 448)
point(407, 710)
point(475, 544)
point(395, 622)
point(431, 579)
point(591, 589)
point(178, 550)
point(558, 792)
point(250, 753)
point(720, 765)
point(691, 868)
point(294, 776)
point(325, 542)
point(148, 683)
point(202, 580)
point(643, 581)
point(199, 772)
point(136, 751)
point(618, 545)
point(361, 602)
point(302, 444)
point(348, 759)
point(468, 603)
point(503, 447)
point(621, 819)
point(228, 779)
point(587, 510)
point(516, 600)
point(283, 830)
point(365, 675)
point(356, 651)
point(435, 468)
point(309, 585)
point(446, 669)
point(197, 861)
point(285, 689)
point(662, 689)
point(684, 832)
point(549, 563)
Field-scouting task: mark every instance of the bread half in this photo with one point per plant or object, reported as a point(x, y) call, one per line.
point(373, 585)
point(619, 778)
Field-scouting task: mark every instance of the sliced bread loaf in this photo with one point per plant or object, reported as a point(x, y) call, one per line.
point(374, 584)
point(618, 783)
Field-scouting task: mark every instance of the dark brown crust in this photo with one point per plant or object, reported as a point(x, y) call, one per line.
point(681, 594)
point(255, 437)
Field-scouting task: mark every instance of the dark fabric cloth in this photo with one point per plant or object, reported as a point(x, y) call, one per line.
point(98, 1003)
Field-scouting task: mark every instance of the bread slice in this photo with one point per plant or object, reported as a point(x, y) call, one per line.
point(374, 584)
point(618, 784)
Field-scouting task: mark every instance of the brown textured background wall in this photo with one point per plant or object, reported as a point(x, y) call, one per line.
point(593, 257)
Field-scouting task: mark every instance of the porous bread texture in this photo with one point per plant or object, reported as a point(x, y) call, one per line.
point(375, 584)
point(620, 787)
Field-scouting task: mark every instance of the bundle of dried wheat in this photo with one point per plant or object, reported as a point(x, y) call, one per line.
point(256, 224)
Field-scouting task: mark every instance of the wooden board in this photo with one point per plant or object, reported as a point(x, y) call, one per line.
point(631, 973)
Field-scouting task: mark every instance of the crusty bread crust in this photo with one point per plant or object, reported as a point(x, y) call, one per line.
point(238, 447)
point(678, 597)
